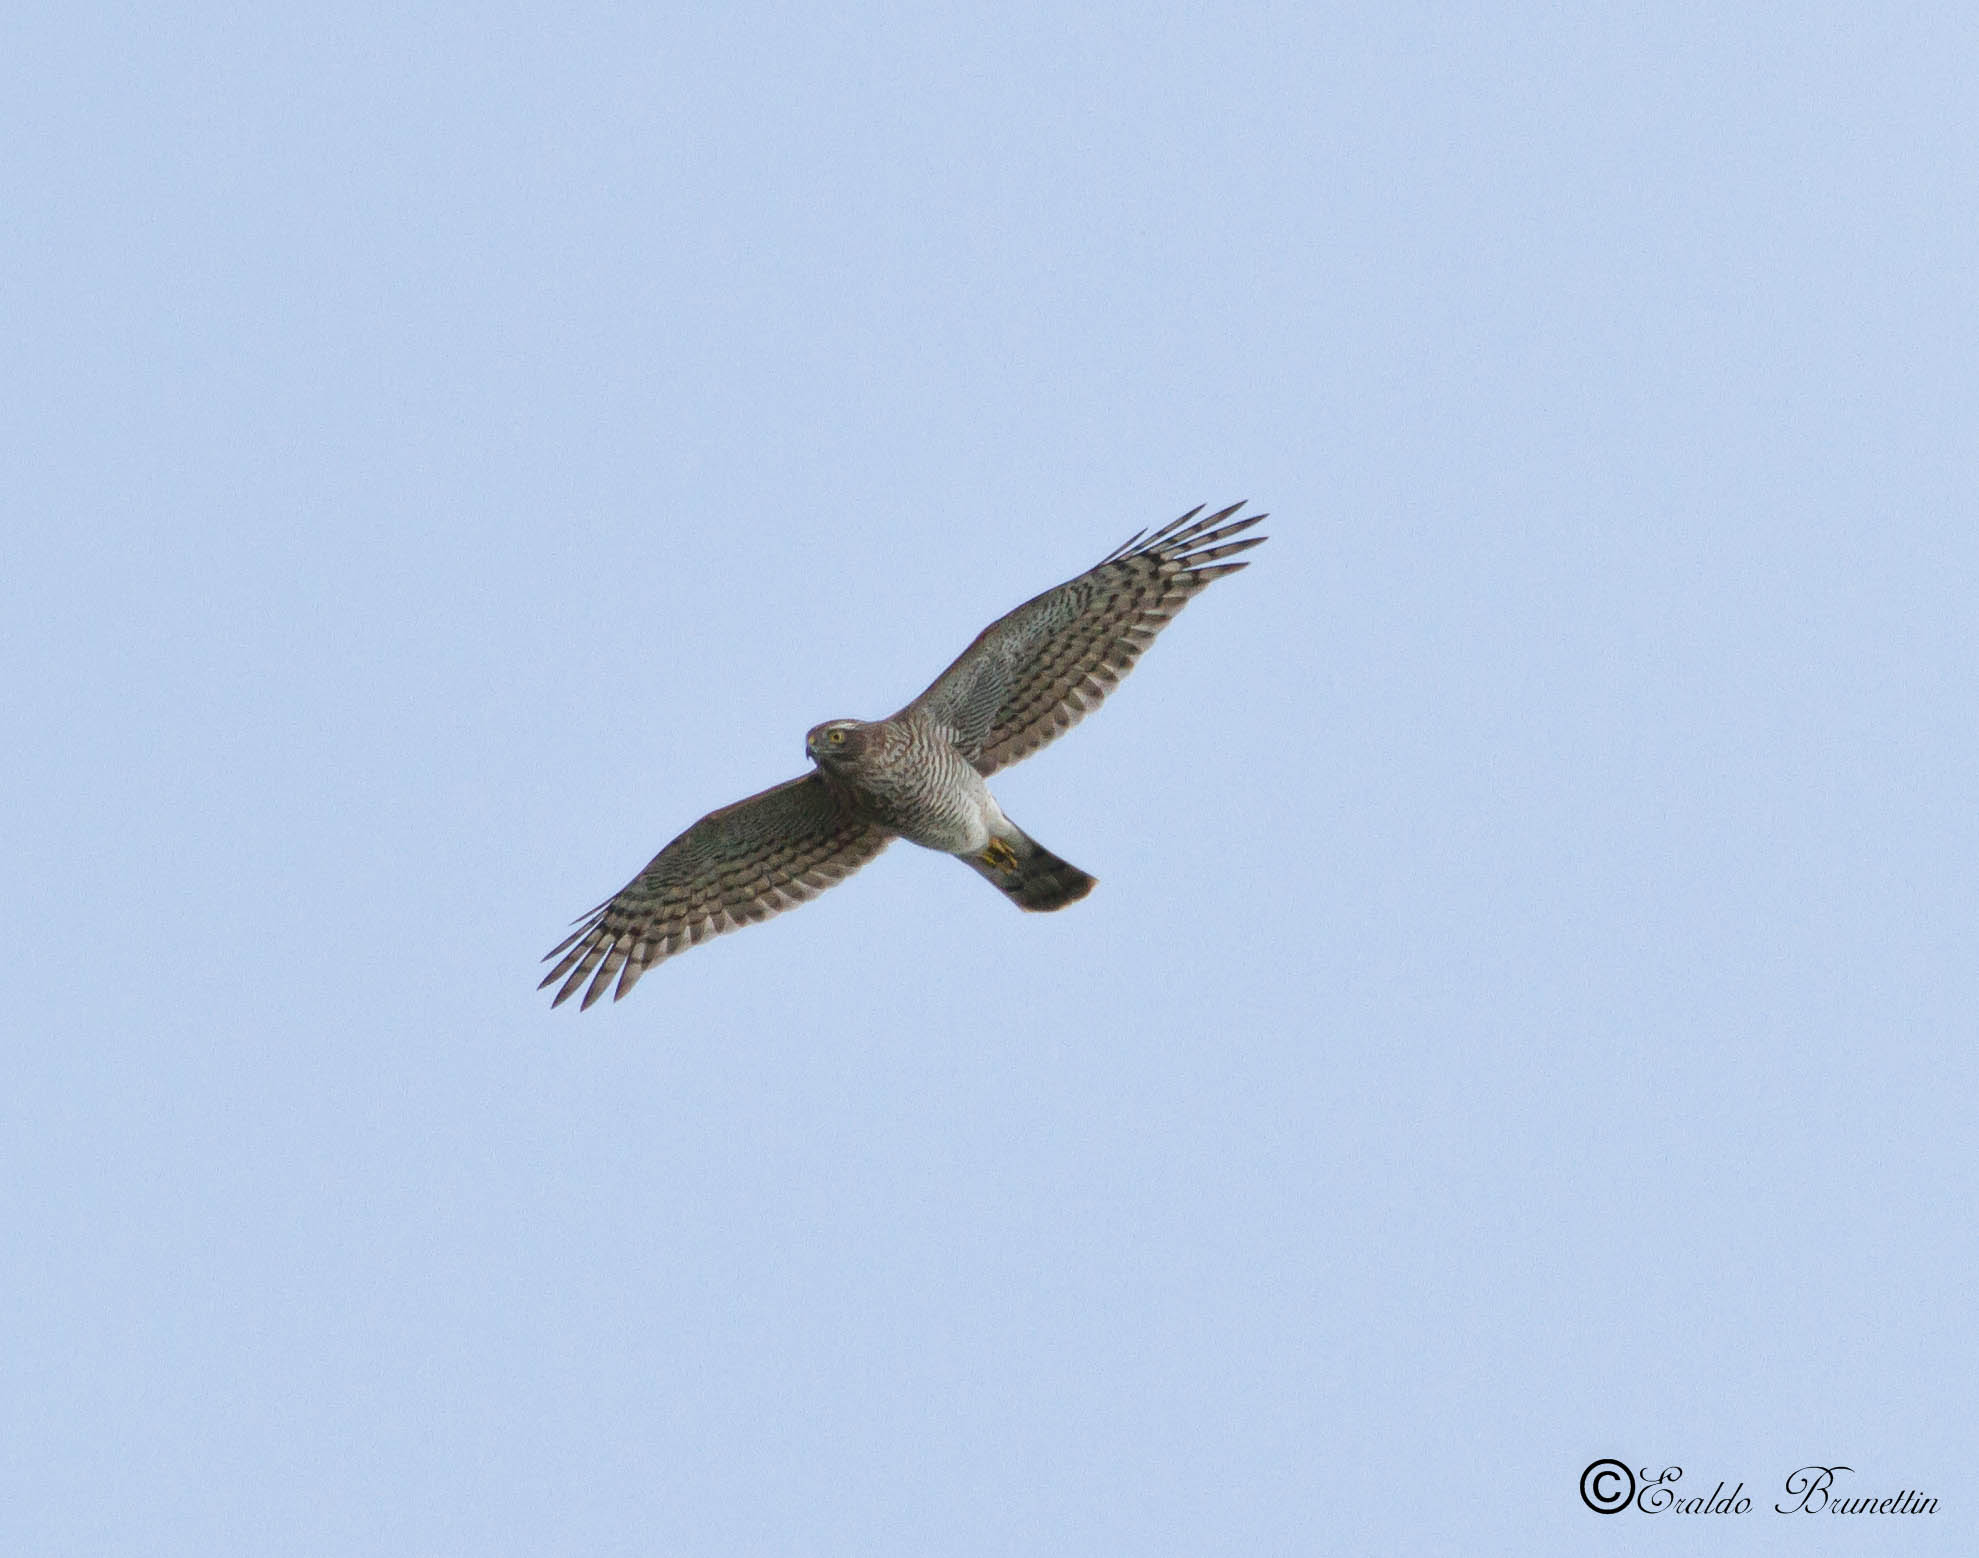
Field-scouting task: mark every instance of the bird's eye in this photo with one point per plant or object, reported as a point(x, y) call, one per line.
point(835, 737)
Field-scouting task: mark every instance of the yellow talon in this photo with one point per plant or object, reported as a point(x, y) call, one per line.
point(999, 856)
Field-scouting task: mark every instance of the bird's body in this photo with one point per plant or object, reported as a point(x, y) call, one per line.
point(908, 774)
point(920, 775)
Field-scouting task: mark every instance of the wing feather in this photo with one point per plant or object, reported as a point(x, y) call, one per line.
point(734, 867)
point(1034, 673)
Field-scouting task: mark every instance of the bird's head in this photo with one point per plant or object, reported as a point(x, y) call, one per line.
point(836, 741)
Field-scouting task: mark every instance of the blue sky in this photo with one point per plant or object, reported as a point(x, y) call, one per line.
point(1527, 1013)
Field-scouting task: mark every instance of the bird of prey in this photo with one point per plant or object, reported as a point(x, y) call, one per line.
point(1027, 679)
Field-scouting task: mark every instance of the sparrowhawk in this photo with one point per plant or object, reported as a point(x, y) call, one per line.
point(1027, 679)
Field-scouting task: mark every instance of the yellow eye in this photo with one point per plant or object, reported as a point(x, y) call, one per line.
point(835, 737)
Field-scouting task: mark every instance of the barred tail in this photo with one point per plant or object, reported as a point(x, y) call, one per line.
point(1028, 874)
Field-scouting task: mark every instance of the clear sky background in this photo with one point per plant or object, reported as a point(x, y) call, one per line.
point(1528, 1011)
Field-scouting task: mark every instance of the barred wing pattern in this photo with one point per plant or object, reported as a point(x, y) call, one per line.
point(734, 867)
point(1032, 675)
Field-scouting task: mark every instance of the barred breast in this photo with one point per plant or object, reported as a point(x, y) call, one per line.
point(915, 781)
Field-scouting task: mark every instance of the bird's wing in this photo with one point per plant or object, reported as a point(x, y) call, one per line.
point(1032, 675)
point(734, 867)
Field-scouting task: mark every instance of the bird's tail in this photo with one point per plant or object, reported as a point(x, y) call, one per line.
point(1028, 874)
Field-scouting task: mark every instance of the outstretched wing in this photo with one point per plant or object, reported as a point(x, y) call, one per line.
point(734, 867)
point(1031, 676)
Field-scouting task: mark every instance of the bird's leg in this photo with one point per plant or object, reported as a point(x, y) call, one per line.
point(999, 856)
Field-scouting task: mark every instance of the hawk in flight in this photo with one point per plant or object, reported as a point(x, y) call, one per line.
point(1027, 679)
